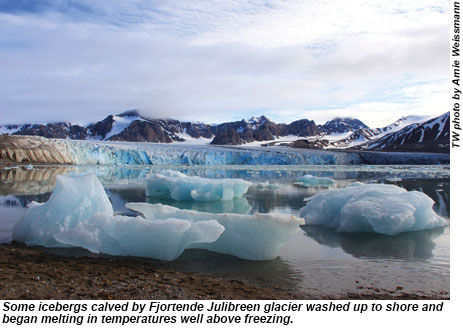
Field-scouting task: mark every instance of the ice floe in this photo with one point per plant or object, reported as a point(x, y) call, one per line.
point(309, 180)
point(379, 208)
point(178, 186)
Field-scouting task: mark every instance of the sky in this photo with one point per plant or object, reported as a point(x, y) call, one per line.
point(215, 61)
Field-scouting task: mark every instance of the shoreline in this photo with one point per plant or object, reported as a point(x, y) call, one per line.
point(32, 273)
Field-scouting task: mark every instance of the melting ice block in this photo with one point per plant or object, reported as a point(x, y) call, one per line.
point(254, 237)
point(310, 180)
point(80, 214)
point(379, 208)
point(267, 186)
point(72, 201)
point(178, 186)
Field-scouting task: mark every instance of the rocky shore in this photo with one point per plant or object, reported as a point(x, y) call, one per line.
point(32, 273)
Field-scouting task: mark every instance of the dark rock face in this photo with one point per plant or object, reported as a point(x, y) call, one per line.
point(260, 129)
point(144, 131)
point(430, 136)
point(303, 128)
point(342, 125)
point(101, 129)
point(53, 130)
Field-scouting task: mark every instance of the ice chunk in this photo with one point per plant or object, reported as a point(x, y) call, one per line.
point(123, 235)
point(384, 209)
point(267, 186)
point(310, 180)
point(178, 186)
point(73, 200)
point(80, 214)
point(254, 237)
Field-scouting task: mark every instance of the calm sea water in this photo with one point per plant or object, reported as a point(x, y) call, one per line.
point(316, 260)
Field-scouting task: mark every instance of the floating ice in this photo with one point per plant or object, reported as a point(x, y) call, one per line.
point(310, 180)
point(80, 214)
point(178, 186)
point(254, 237)
point(29, 167)
point(384, 209)
point(267, 186)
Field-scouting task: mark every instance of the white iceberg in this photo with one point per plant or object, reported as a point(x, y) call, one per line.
point(80, 214)
point(178, 186)
point(252, 237)
point(309, 180)
point(379, 208)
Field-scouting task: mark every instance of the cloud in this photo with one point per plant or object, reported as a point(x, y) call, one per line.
point(215, 61)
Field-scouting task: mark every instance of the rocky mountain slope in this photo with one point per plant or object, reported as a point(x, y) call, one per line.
point(342, 133)
point(430, 136)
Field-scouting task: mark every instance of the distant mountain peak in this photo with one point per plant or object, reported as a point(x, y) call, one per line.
point(343, 125)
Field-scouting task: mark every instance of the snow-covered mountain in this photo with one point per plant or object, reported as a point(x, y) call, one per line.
point(342, 125)
point(430, 136)
point(339, 133)
point(364, 135)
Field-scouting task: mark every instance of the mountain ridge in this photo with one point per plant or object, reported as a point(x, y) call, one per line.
point(342, 133)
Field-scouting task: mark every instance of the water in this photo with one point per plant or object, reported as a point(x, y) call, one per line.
point(316, 260)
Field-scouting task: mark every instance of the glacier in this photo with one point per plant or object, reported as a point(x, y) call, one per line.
point(79, 214)
point(133, 153)
point(378, 208)
point(252, 237)
point(178, 186)
point(310, 180)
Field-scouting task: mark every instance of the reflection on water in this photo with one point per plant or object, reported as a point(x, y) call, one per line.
point(30, 182)
point(417, 245)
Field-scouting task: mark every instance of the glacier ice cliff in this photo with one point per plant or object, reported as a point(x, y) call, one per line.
point(178, 186)
point(28, 149)
point(379, 208)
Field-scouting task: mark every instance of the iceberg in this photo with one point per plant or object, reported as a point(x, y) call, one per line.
point(378, 208)
point(178, 186)
point(80, 214)
point(252, 237)
point(309, 180)
point(267, 186)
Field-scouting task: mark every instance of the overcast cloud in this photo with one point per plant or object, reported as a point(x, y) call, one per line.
point(216, 61)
